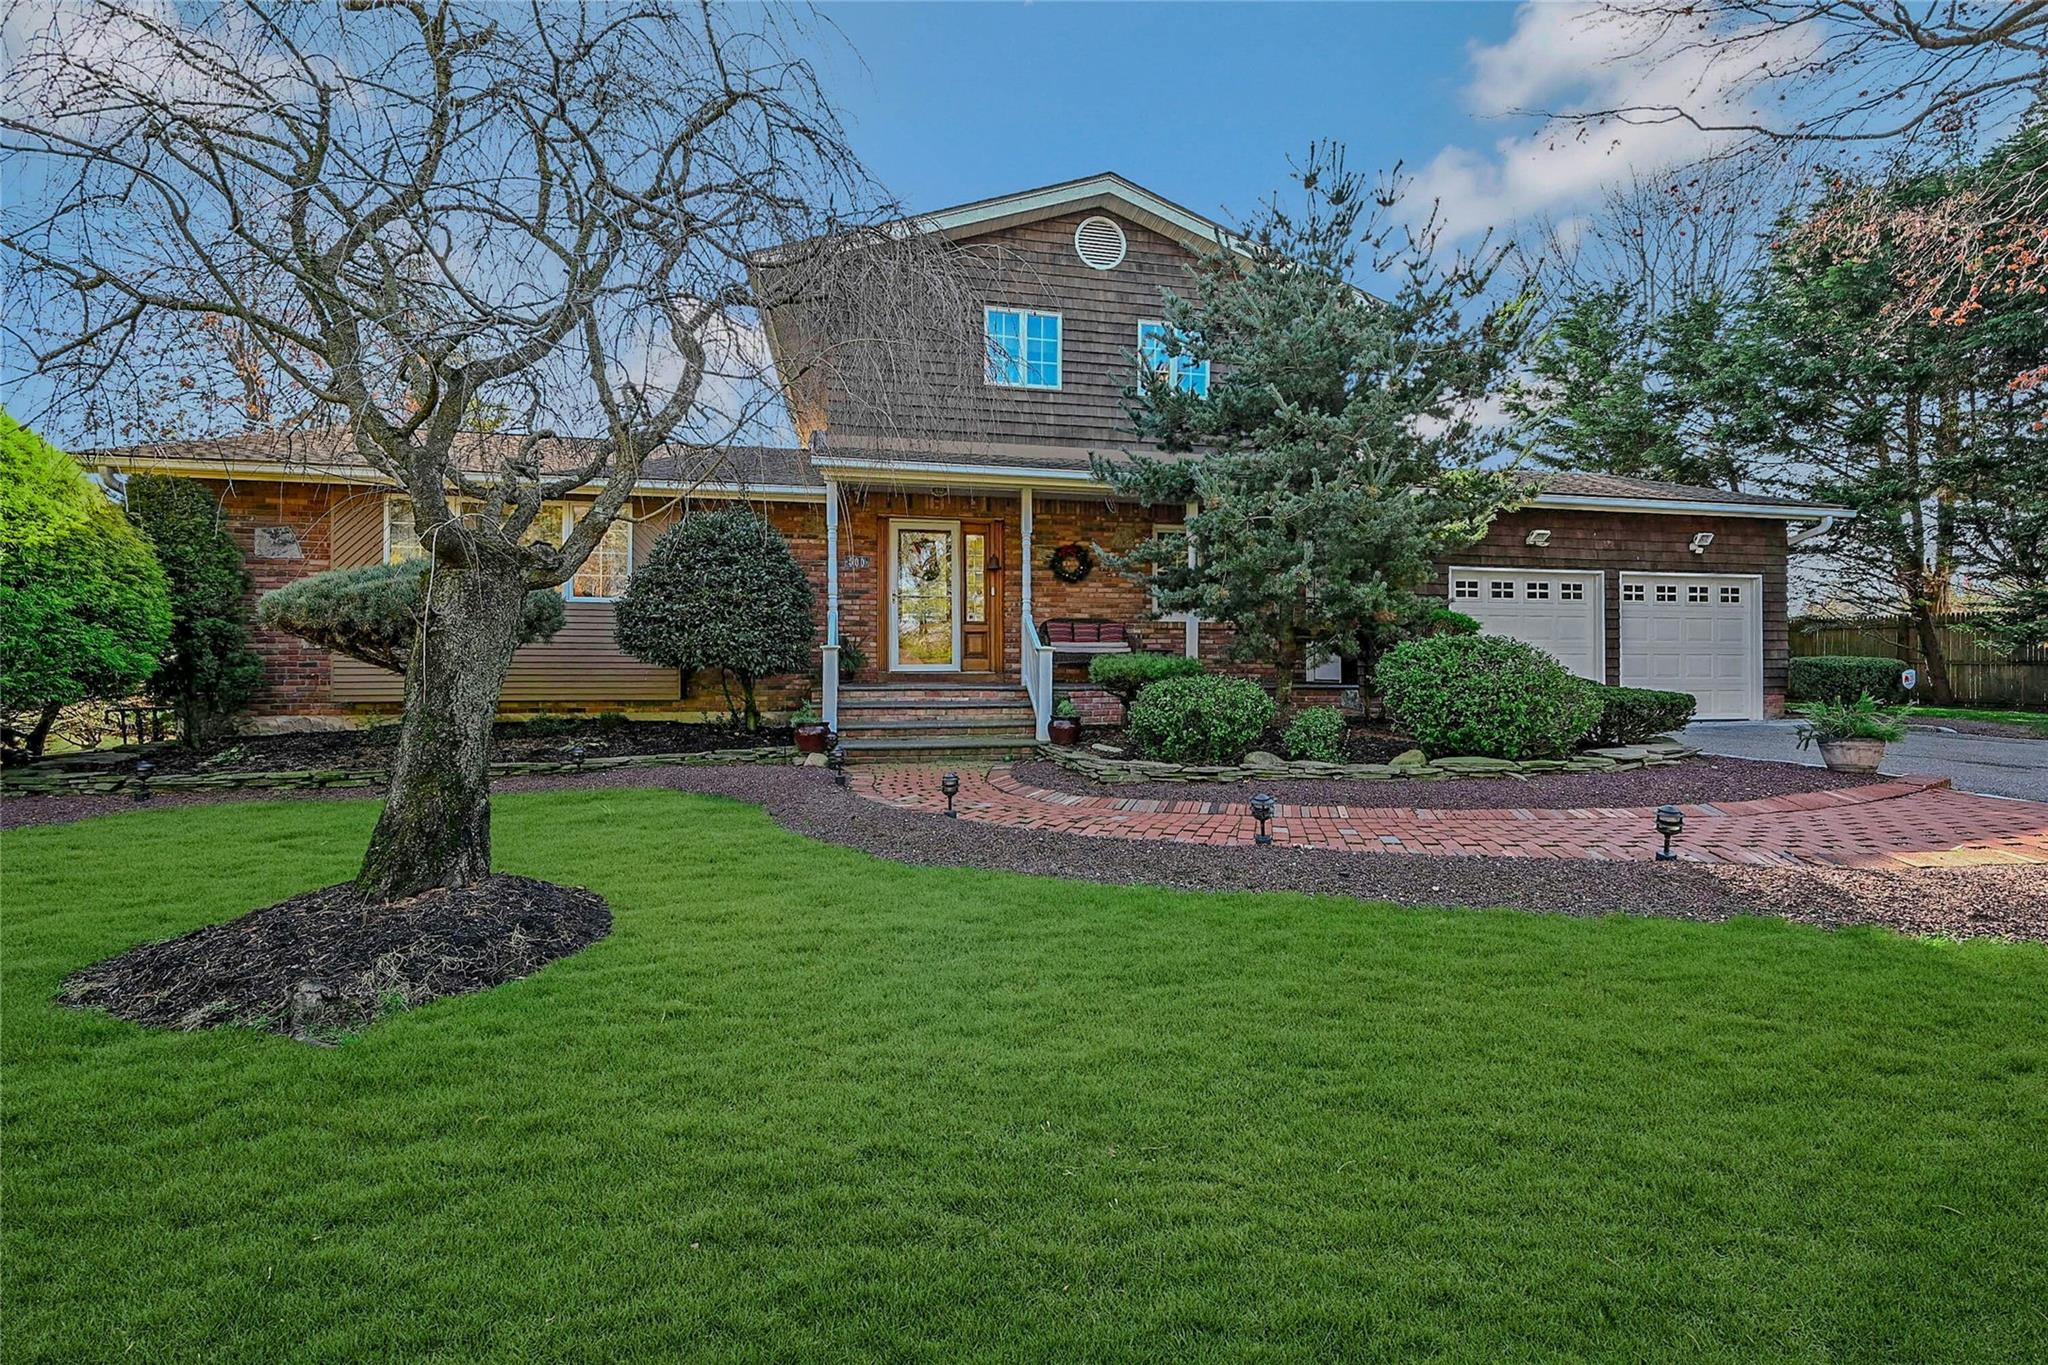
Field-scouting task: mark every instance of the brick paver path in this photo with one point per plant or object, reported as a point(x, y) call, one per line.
point(1904, 822)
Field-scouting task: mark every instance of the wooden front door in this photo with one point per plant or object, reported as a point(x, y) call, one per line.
point(981, 596)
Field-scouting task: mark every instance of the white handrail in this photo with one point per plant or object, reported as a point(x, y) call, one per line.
point(1037, 661)
point(829, 665)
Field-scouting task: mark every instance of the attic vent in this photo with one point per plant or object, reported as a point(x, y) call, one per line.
point(1100, 243)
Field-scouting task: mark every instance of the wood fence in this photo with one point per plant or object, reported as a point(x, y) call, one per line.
point(1982, 675)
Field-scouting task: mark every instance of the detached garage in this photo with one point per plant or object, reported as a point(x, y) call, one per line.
point(1644, 584)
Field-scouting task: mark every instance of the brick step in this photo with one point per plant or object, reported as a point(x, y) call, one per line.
point(925, 694)
point(868, 713)
point(851, 729)
point(979, 749)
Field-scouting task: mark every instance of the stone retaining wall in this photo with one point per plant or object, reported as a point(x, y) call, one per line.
point(31, 783)
point(1413, 766)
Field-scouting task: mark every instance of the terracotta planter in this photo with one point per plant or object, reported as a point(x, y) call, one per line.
point(1064, 730)
point(1852, 755)
point(812, 737)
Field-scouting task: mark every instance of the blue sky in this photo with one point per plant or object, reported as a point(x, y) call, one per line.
point(1203, 103)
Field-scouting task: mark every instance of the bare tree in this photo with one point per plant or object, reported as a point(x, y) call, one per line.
point(414, 207)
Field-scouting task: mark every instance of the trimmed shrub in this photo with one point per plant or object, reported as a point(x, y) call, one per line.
point(1315, 733)
point(1630, 715)
point(1842, 678)
point(1201, 719)
point(1487, 697)
point(1124, 676)
point(721, 590)
point(372, 613)
point(1443, 621)
point(84, 612)
point(209, 671)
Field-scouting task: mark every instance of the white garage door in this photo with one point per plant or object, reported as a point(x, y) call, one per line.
point(1697, 633)
point(1556, 610)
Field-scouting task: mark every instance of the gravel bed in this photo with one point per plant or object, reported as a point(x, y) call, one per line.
point(2003, 902)
point(1694, 780)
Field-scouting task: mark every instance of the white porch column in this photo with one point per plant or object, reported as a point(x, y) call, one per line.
point(1024, 520)
point(829, 655)
point(1193, 625)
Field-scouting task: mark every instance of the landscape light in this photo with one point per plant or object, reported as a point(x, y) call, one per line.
point(1670, 822)
point(143, 768)
point(950, 785)
point(576, 757)
point(1262, 811)
point(836, 761)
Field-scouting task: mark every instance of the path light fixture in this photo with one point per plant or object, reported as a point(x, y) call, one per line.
point(950, 785)
point(576, 757)
point(836, 761)
point(143, 768)
point(1262, 811)
point(1670, 822)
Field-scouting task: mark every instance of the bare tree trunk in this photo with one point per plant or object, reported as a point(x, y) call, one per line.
point(38, 734)
point(1940, 690)
point(436, 827)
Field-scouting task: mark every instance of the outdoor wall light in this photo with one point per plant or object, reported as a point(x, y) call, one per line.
point(836, 761)
point(950, 785)
point(1670, 822)
point(1537, 538)
point(1701, 541)
point(1262, 811)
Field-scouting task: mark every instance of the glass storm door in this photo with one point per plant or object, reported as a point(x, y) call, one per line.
point(924, 596)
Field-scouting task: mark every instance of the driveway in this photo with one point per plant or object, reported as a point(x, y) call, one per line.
point(1991, 764)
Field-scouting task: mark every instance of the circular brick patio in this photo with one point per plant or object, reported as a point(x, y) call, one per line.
point(1901, 823)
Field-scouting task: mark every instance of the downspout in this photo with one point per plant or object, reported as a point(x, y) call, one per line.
point(1814, 532)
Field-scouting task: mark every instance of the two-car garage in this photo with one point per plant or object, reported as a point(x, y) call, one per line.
point(1681, 632)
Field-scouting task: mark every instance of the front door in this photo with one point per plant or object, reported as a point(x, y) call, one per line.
point(981, 596)
point(924, 595)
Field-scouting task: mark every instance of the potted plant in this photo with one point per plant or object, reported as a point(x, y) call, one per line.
point(812, 734)
point(852, 659)
point(1065, 727)
point(1851, 734)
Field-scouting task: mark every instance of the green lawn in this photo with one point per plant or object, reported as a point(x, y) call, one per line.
point(807, 1105)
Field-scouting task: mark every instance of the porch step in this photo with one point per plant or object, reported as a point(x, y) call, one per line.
point(931, 694)
point(919, 720)
point(868, 714)
point(852, 728)
point(975, 748)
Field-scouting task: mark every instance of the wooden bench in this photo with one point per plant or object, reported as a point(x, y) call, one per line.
point(1075, 635)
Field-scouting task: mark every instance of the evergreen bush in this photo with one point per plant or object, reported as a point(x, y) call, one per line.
point(1630, 715)
point(1842, 678)
point(1124, 676)
point(1484, 696)
point(1316, 733)
point(1201, 719)
point(372, 613)
point(208, 672)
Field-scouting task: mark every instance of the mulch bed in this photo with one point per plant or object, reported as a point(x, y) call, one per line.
point(544, 740)
point(1700, 779)
point(1373, 743)
point(362, 959)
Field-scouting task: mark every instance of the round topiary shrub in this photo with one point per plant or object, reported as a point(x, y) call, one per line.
point(1314, 733)
point(1486, 697)
point(371, 613)
point(1200, 719)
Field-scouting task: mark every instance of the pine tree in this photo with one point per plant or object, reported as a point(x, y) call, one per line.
point(208, 672)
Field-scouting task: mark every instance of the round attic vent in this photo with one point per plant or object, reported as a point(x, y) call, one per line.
point(1099, 242)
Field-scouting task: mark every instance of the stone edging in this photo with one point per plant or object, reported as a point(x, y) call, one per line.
point(1412, 766)
point(16, 782)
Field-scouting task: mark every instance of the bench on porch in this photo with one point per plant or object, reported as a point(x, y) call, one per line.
point(1079, 635)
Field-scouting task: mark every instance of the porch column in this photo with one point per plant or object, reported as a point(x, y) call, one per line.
point(829, 655)
point(1024, 522)
point(1194, 622)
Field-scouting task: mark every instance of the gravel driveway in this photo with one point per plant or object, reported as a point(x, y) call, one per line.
point(1990, 764)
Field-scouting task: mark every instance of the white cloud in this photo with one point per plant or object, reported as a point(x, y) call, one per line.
point(1571, 58)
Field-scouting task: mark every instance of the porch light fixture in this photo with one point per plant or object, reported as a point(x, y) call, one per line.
point(1262, 811)
point(143, 768)
point(1537, 538)
point(1670, 822)
point(950, 785)
point(1701, 541)
point(836, 761)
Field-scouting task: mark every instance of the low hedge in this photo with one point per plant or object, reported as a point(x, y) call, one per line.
point(1124, 676)
point(1202, 719)
point(1843, 678)
point(1486, 697)
point(1316, 732)
point(1630, 715)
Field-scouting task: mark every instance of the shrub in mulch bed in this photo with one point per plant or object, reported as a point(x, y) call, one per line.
point(326, 963)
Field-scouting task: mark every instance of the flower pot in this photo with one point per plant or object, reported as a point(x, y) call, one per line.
point(1064, 730)
point(811, 737)
point(1852, 755)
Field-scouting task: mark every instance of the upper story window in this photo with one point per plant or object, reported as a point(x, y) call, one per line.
point(1187, 374)
point(1023, 348)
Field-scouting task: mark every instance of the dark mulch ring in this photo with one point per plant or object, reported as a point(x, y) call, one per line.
point(326, 963)
point(1700, 779)
point(539, 740)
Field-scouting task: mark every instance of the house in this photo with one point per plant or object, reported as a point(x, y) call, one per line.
point(934, 559)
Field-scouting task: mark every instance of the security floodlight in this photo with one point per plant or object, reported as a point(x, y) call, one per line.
point(1537, 538)
point(1701, 541)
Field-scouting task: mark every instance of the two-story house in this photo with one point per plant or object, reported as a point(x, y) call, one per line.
point(949, 565)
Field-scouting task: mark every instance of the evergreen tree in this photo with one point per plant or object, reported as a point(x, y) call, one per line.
point(209, 671)
point(1335, 456)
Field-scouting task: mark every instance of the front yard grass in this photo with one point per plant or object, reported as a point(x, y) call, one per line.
point(803, 1104)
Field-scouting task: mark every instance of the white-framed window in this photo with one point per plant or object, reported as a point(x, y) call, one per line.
point(1731, 596)
point(1667, 592)
point(1539, 591)
point(1695, 592)
point(1186, 373)
point(1465, 587)
point(1631, 592)
point(1502, 590)
point(1571, 592)
point(603, 576)
point(1023, 348)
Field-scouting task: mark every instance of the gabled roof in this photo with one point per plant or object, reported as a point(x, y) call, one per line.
point(1103, 190)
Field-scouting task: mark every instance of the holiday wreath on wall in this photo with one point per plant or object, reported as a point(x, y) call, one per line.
point(1071, 563)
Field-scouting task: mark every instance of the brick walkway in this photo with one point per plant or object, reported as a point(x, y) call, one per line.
point(1905, 822)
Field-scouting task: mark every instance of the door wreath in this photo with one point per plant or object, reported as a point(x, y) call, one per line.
point(1071, 563)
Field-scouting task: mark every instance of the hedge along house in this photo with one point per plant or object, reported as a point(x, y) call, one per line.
point(961, 573)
